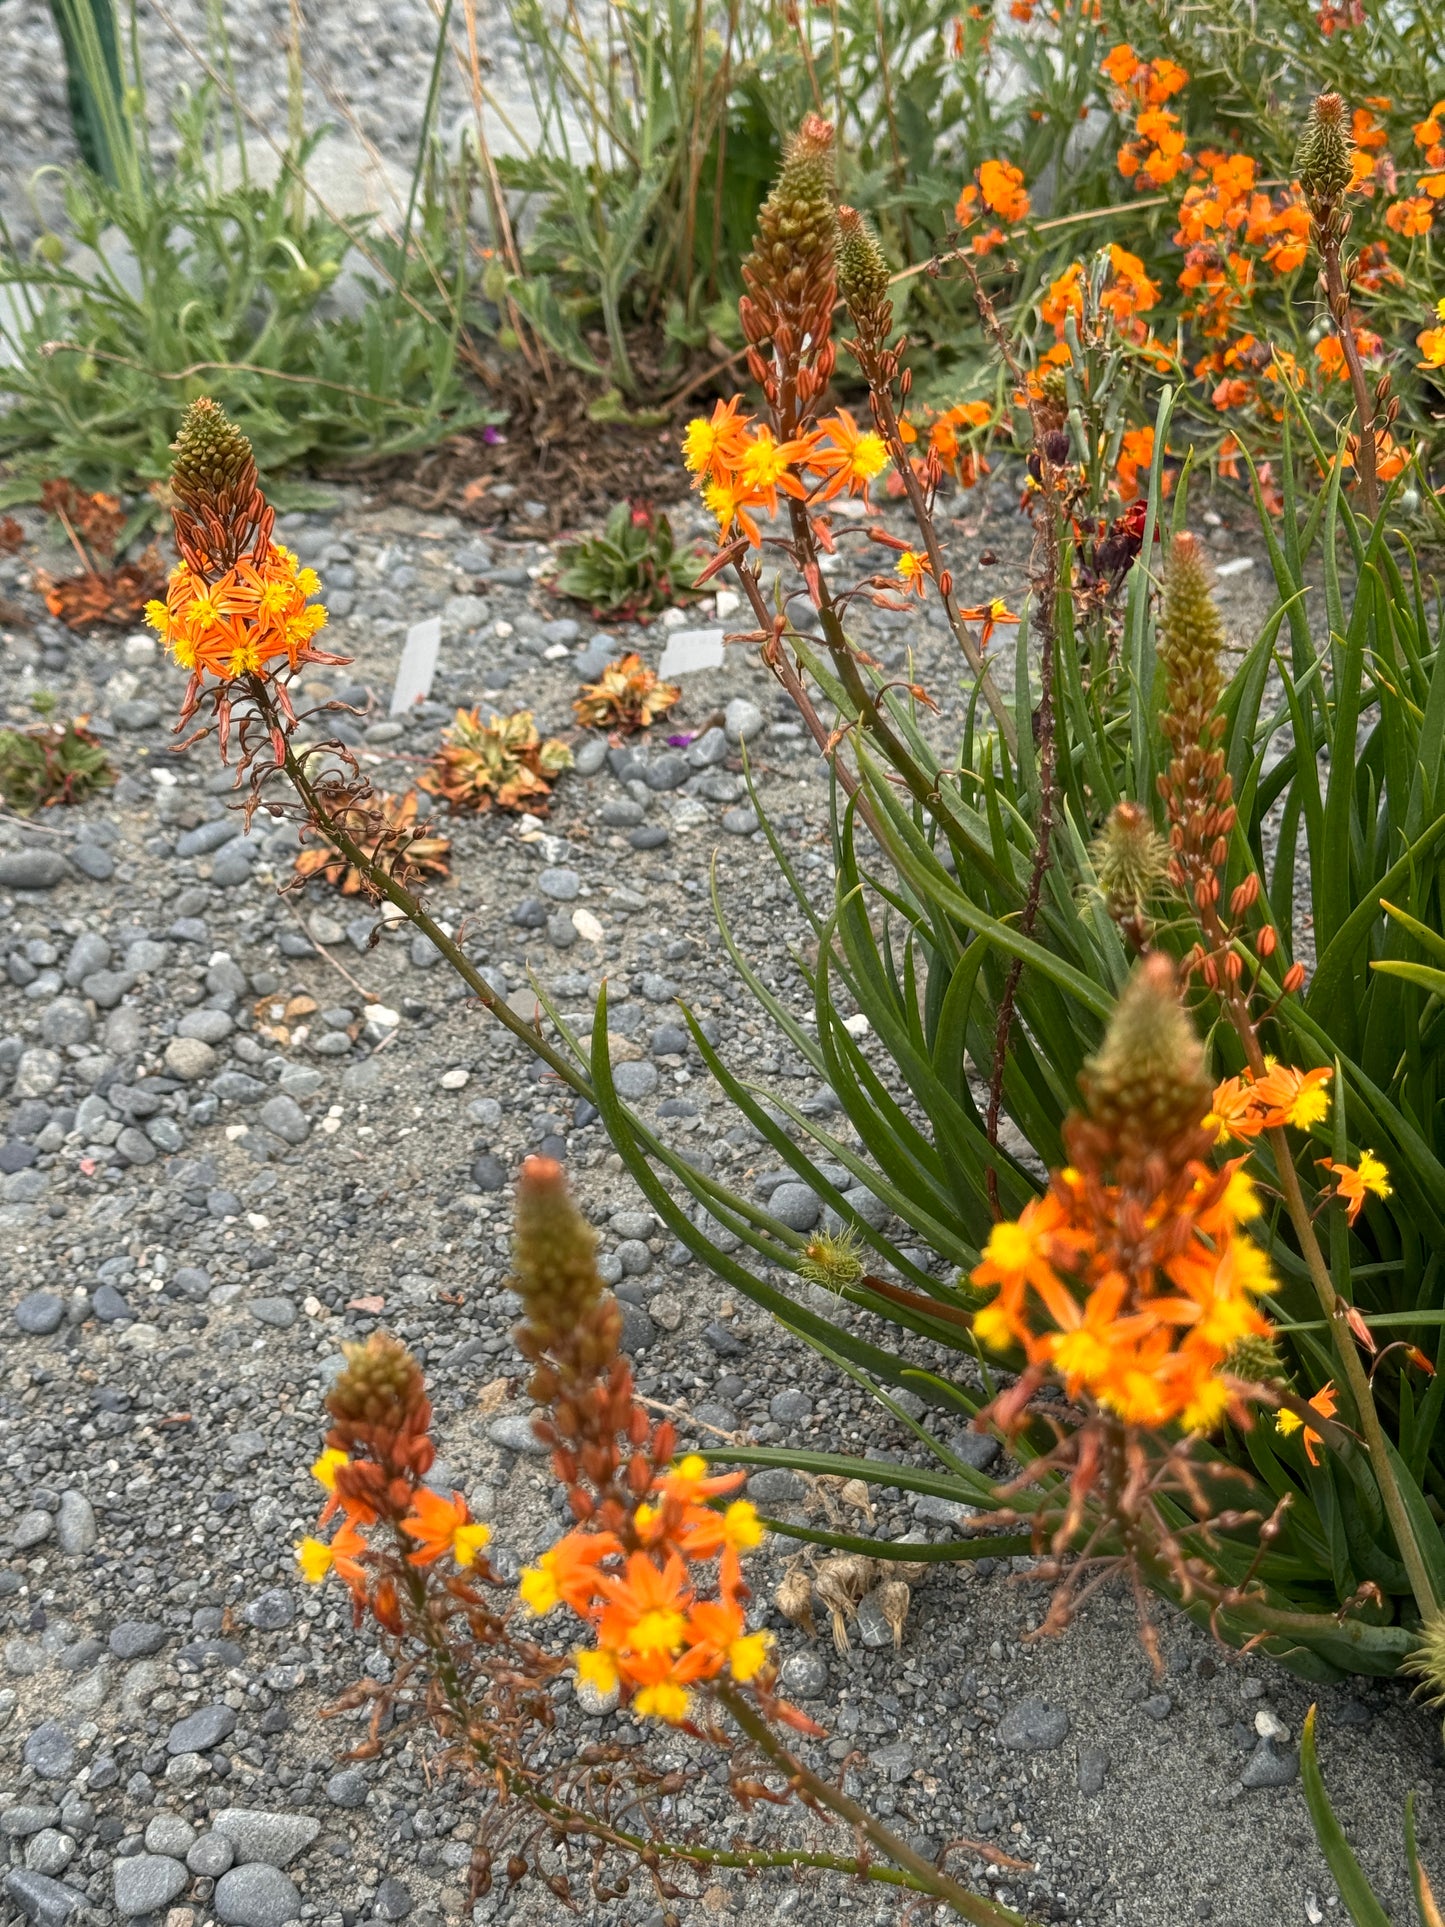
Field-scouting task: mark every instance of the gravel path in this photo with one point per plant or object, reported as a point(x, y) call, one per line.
point(198, 1215)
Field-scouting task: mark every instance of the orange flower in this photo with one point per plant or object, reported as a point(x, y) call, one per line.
point(913, 566)
point(1411, 217)
point(1245, 1106)
point(441, 1526)
point(251, 617)
point(1065, 297)
point(567, 1572)
point(1136, 458)
point(1140, 1320)
point(1323, 1402)
point(990, 614)
point(1431, 344)
point(1355, 1182)
point(342, 1556)
point(1001, 185)
point(854, 459)
point(714, 444)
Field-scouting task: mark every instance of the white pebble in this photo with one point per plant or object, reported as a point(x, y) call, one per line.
point(455, 1080)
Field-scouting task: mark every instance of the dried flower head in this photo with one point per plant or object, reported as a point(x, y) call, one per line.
point(794, 1600)
point(626, 696)
point(385, 829)
point(840, 1583)
point(502, 762)
point(894, 1597)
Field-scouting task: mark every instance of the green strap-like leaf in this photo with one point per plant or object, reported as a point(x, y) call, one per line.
point(1355, 1890)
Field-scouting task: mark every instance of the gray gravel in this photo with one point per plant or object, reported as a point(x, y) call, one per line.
point(192, 1237)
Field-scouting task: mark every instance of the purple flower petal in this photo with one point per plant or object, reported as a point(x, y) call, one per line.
point(679, 742)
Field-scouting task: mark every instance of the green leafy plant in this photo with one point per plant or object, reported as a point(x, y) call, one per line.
point(187, 280)
point(1358, 1895)
point(635, 567)
point(51, 763)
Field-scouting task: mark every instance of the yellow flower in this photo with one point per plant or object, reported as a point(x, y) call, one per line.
point(314, 1558)
point(468, 1541)
point(597, 1667)
point(328, 1465)
point(658, 1631)
point(1208, 1407)
point(664, 1701)
point(742, 1528)
point(538, 1586)
point(749, 1655)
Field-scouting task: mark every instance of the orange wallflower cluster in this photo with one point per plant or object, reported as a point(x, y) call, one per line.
point(1413, 216)
point(999, 187)
point(1431, 342)
point(1136, 458)
point(1156, 152)
point(1338, 16)
point(656, 1632)
point(1330, 355)
point(1128, 293)
point(741, 468)
point(954, 453)
point(1245, 1106)
point(257, 614)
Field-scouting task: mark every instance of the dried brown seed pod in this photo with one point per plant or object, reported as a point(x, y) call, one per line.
point(794, 1600)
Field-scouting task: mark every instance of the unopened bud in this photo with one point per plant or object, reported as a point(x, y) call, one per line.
point(1147, 1083)
point(1322, 161)
point(1266, 941)
point(1191, 637)
point(1293, 978)
point(1131, 861)
point(862, 268)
